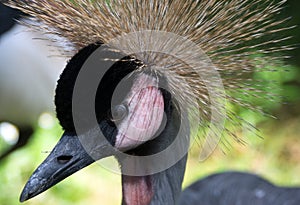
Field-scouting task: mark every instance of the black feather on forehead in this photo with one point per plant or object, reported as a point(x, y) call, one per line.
point(65, 86)
point(107, 83)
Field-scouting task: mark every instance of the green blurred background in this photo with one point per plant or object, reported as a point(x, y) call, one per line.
point(275, 155)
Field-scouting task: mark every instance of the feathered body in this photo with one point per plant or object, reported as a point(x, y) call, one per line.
point(238, 188)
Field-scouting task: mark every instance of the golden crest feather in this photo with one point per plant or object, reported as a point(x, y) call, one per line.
point(232, 33)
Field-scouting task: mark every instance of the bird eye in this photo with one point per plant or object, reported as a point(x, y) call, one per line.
point(119, 112)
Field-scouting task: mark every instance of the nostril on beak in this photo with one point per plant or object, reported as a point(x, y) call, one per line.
point(64, 159)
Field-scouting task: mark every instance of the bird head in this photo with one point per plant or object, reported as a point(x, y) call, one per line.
point(132, 110)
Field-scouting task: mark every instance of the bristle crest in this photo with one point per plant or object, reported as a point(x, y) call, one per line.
point(227, 37)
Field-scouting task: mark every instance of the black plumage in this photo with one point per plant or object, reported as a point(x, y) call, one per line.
point(238, 188)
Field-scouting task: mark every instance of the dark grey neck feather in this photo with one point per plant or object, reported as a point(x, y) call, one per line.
point(167, 184)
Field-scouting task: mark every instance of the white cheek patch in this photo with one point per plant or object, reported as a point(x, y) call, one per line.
point(146, 110)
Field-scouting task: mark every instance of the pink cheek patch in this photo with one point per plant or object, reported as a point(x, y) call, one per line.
point(146, 110)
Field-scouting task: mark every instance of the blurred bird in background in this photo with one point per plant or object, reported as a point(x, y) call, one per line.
point(29, 69)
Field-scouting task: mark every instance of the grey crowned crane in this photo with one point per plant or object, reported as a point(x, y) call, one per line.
point(137, 80)
point(29, 70)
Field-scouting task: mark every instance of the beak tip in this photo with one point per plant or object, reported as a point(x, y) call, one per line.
point(52, 171)
point(24, 196)
point(22, 199)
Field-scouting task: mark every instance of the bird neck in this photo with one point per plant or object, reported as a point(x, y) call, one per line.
point(162, 188)
point(167, 184)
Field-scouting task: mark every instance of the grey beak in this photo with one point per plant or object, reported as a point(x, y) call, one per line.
point(67, 157)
